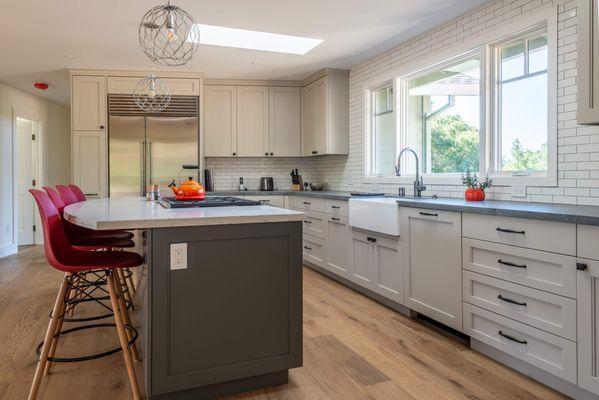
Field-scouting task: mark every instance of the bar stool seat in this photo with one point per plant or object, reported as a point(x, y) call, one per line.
point(76, 264)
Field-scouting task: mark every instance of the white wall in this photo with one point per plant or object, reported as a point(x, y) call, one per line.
point(578, 146)
point(55, 119)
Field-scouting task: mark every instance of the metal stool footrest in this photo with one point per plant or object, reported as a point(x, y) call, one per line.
point(91, 356)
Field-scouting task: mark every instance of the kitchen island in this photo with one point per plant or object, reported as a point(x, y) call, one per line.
point(225, 315)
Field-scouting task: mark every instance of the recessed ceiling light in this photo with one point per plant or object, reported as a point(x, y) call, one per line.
point(255, 40)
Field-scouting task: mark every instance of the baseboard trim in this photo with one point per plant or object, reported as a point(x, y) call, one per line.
point(8, 250)
point(533, 372)
point(400, 308)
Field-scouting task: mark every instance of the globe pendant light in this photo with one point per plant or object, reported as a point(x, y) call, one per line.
point(152, 94)
point(168, 35)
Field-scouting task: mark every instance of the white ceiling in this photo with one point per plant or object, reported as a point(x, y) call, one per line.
point(43, 38)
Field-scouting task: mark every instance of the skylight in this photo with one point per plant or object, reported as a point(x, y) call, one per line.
point(255, 40)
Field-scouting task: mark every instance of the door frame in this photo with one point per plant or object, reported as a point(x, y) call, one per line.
point(38, 156)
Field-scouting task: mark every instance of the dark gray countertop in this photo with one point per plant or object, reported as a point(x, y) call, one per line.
point(579, 214)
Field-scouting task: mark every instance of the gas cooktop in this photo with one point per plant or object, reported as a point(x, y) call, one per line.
point(217, 201)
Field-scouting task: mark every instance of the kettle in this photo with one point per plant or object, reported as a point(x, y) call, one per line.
point(188, 190)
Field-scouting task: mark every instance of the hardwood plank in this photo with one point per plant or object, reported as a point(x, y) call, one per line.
point(354, 348)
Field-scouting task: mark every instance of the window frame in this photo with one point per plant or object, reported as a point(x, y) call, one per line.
point(483, 42)
point(371, 113)
point(527, 178)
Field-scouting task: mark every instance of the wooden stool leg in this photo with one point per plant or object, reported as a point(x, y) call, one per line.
point(130, 281)
point(41, 364)
point(126, 318)
point(55, 339)
point(114, 300)
point(123, 283)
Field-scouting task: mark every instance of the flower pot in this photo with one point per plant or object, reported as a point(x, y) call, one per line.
point(474, 194)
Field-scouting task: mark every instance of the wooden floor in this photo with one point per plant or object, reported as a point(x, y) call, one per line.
point(354, 348)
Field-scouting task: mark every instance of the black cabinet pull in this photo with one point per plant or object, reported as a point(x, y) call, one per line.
point(265, 154)
point(428, 214)
point(513, 339)
point(371, 239)
point(511, 231)
point(307, 222)
point(264, 201)
point(335, 207)
point(307, 203)
point(234, 154)
point(307, 248)
point(272, 154)
point(314, 152)
point(511, 264)
point(581, 266)
point(335, 219)
point(500, 297)
point(101, 126)
point(90, 194)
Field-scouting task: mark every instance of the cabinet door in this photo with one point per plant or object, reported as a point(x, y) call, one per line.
point(588, 66)
point(338, 258)
point(588, 325)
point(252, 121)
point(284, 112)
point(308, 126)
point(388, 270)
point(433, 271)
point(363, 253)
point(89, 162)
point(89, 103)
point(220, 121)
point(314, 118)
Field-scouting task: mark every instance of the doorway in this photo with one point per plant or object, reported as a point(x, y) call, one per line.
point(27, 138)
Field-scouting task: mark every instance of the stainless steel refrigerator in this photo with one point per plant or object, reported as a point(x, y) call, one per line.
point(149, 149)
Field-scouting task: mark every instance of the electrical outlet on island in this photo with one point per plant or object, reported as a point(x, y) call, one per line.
point(178, 256)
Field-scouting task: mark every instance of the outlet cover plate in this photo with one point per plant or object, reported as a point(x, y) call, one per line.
point(178, 259)
point(519, 191)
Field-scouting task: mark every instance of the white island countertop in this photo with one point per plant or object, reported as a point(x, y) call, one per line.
point(138, 213)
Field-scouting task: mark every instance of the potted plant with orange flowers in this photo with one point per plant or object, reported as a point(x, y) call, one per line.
point(475, 188)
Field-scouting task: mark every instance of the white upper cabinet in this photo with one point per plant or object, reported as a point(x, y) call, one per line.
point(252, 121)
point(177, 86)
point(588, 62)
point(325, 115)
point(285, 121)
point(88, 107)
point(220, 121)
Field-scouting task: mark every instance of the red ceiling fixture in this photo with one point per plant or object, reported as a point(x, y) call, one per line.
point(41, 85)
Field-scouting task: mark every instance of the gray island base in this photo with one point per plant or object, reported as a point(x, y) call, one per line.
point(231, 321)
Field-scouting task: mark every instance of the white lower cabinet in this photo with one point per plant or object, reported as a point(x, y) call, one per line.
point(588, 325)
point(377, 264)
point(275, 201)
point(433, 269)
point(338, 257)
point(314, 249)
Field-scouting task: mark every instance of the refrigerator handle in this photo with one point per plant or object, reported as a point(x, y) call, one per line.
point(150, 162)
point(142, 180)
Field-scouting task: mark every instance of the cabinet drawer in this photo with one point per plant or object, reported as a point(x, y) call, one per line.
point(307, 203)
point(556, 237)
point(549, 352)
point(587, 242)
point(549, 312)
point(315, 224)
point(550, 272)
point(379, 239)
point(314, 249)
point(275, 201)
point(336, 207)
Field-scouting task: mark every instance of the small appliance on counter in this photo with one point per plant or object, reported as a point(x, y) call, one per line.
point(208, 181)
point(267, 184)
point(242, 187)
point(226, 201)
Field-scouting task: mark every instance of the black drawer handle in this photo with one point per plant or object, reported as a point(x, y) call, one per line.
point(314, 152)
point(265, 201)
point(306, 203)
point(581, 266)
point(513, 339)
point(335, 219)
point(307, 222)
point(336, 207)
point(500, 297)
point(511, 264)
point(91, 194)
point(371, 239)
point(307, 248)
point(429, 214)
point(511, 231)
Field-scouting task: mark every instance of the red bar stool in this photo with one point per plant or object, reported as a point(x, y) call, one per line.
point(78, 192)
point(75, 264)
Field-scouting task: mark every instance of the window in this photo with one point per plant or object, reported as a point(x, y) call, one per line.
point(383, 131)
point(443, 117)
point(521, 105)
